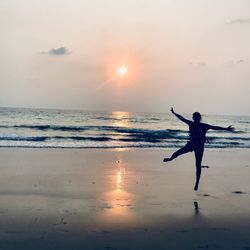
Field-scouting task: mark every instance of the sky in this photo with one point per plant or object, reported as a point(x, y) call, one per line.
point(193, 55)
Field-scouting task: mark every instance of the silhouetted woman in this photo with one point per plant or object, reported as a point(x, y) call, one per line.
point(197, 139)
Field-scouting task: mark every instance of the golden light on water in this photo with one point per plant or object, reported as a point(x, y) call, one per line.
point(120, 119)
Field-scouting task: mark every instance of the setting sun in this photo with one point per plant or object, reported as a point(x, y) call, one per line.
point(122, 70)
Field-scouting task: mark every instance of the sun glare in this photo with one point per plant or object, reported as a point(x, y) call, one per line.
point(122, 70)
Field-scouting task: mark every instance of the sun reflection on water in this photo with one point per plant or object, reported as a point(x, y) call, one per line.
point(120, 179)
point(118, 201)
point(120, 119)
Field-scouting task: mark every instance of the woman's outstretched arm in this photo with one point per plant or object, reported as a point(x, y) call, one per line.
point(229, 128)
point(183, 119)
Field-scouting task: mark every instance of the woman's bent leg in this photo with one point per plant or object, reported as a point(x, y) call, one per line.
point(187, 148)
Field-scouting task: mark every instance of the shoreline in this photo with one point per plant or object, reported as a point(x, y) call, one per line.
point(115, 149)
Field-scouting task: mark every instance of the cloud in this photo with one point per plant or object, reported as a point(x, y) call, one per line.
point(233, 63)
point(239, 21)
point(201, 64)
point(198, 64)
point(240, 61)
point(62, 51)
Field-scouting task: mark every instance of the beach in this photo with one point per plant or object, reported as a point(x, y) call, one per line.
point(123, 199)
point(106, 109)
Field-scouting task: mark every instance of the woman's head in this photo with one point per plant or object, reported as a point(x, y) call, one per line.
point(196, 116)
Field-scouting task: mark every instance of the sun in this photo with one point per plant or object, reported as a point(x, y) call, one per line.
point(122, 70)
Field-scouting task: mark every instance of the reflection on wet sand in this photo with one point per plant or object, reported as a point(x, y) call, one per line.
point(196, 208)
point(118, 202)
point(120, 176)
point(197, 215)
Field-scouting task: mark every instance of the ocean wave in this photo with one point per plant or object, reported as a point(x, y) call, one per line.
point(225, 146)
point(24, 138)
point(80, 129)
point(47, 127)
point(112, 133)
point(80, 138)
point(156, 134)
point(244, 122)
point(47, 138)
point(129, 119)
point(83, 138)
point(230, 138)
point(51, 127)
point(167, 132)
point(44, 135)
point(129, 140)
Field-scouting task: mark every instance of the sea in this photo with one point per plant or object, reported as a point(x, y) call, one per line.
point(43, 128)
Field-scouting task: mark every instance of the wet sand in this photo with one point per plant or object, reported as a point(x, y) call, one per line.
point(123, 199)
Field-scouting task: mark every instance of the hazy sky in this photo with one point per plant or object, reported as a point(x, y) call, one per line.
point(189, 54)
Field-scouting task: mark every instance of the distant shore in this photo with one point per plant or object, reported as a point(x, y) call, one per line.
point(123, 199)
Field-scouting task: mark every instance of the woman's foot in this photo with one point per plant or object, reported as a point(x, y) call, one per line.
point(167, 159)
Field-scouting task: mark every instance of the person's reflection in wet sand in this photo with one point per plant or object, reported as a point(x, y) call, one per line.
point(196, 209)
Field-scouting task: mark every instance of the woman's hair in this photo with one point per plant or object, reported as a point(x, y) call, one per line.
point(196, 116)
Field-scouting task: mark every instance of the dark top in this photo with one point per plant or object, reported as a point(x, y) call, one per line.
point(197, 132)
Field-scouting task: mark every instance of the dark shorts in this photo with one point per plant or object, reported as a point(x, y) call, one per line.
point(190, 146)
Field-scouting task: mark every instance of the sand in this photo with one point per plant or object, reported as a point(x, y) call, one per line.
point(123, 199)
